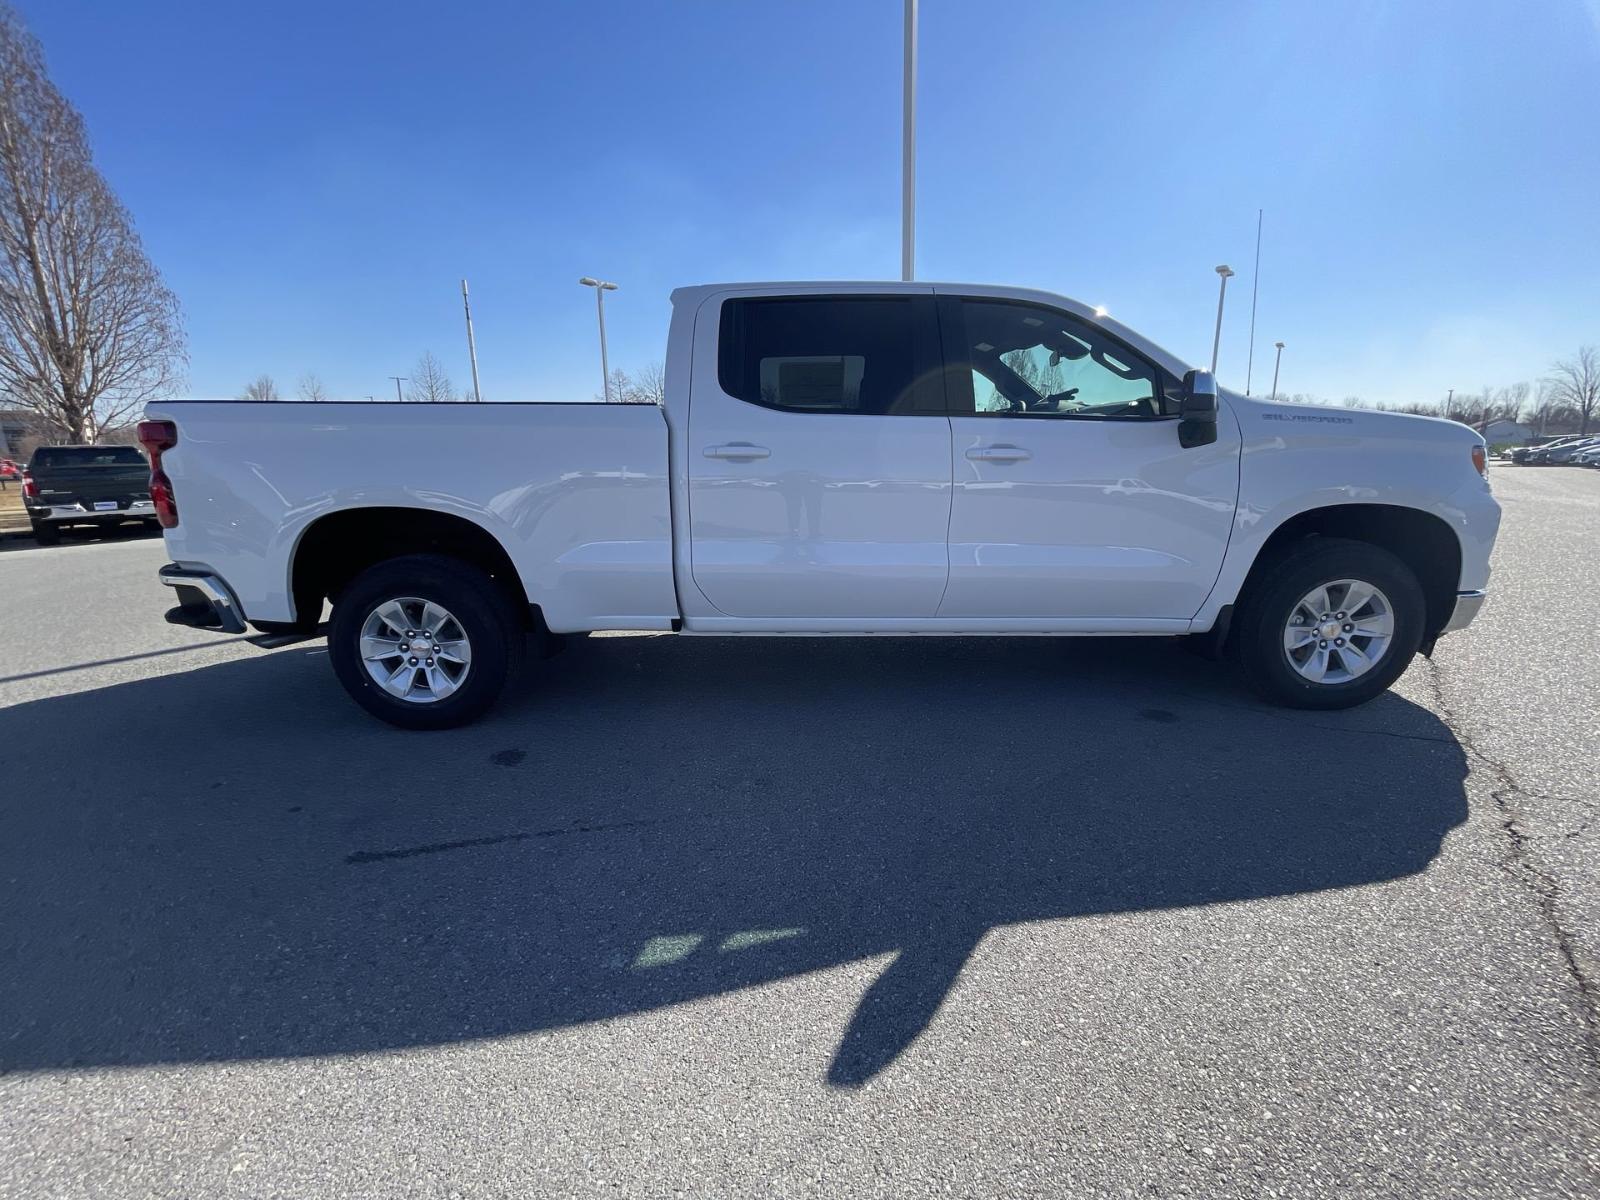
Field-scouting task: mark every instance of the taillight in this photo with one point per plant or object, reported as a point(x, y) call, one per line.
point(1480, 460)
point(30, 486)
point(156, 436)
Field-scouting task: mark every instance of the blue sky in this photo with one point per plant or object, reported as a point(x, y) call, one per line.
point(314, 178)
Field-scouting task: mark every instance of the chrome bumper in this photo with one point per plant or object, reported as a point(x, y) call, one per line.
point(139, 509)
point(204, 600)
point(1467, 606)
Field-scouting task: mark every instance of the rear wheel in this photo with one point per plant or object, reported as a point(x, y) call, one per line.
point(1331, 625)
point(424, 641)
point(45, 533)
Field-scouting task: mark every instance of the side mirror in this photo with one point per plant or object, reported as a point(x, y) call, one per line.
point(1197, 424)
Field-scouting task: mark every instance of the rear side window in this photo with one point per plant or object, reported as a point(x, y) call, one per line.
point(831, 354)
point(47, 457)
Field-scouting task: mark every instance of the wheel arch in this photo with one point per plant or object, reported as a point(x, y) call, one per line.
point(338, 546)
point(1422, 540)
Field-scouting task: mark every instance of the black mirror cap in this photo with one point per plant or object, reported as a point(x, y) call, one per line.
point(1198, 426)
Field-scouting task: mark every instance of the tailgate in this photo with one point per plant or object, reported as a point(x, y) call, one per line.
point(86, 485)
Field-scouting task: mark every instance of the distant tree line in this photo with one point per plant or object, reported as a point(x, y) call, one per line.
point(428, 383)
point(1566, 400)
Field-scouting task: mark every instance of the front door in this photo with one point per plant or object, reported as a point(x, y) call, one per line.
point(1073, 498)
point(819, 458)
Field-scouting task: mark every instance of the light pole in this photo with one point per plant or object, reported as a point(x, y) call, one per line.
point(908, 146)
point(472, 345)
point(1448, 400)
point(601, 287)
point(1276, 363)
point(398, 380)
point(1216, 342)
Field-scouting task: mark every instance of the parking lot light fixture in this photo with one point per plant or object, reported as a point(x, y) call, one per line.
point(1226, 272)
point(601, 287)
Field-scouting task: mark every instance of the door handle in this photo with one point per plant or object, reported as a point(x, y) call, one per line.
point(738, 452)
point(999, 453)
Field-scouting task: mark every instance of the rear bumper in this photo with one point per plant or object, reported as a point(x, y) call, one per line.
point(1467, 606)
point(205, 601)
point(74, 514)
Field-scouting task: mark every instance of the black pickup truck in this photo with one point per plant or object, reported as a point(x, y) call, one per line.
point(85, 485)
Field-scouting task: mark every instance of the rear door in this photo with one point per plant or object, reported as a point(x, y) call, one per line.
point(1072, 497)
point(819, 457)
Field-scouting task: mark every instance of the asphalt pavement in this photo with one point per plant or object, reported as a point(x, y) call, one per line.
point(790, 917)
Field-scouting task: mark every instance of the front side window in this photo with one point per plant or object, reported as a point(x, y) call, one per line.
point(1027, 360)
point(830, 354)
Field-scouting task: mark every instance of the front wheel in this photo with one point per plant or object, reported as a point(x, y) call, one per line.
point(424, 641)
point(1330, 625)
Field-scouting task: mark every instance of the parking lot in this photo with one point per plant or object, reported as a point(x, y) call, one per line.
point(791, 916)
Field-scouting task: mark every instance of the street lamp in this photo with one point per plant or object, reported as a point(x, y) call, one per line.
point(908, 145)
point(1276, 363)
point(601, 287)
point(1216, 342)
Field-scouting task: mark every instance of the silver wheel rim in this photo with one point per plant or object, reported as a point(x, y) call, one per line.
point(1338, 631)
point(415, 649)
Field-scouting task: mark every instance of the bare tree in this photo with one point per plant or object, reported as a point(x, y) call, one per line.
point(1543, 402)
point(260, 388)
point(620, 385)
point(88, 330)
point(429, 383)
point(649, 386)
point(311, 388)
point(1512, 400)
point(1575, 384)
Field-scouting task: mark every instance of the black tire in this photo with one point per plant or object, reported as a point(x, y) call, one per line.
point(1266, 608)
point(486, 615)
point(45, 533)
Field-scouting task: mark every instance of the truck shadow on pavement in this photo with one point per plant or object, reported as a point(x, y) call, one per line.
point(233, 862)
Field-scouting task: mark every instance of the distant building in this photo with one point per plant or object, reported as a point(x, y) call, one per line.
point(1499, 432)
point(15, 424)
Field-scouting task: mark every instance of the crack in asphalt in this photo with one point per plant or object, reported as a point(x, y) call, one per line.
point(498, 839)
point(1544, 887)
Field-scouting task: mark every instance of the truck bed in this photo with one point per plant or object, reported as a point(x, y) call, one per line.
point(576, 493)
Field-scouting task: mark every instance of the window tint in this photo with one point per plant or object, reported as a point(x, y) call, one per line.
point(1032, 361)
point(87, 456)
point(830, 354)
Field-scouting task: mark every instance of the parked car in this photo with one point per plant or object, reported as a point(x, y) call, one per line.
point(1522, 454)
point(1588, 458)
point(834, 459)
point(85, 485)
point(1560, 455)
point(1539, 456)
point(10, 469)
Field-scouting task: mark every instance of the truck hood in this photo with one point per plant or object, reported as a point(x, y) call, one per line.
point(1259, 418)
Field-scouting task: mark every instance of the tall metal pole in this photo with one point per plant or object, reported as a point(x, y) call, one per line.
point(1255, 282)
point(1276, 363)
point(398, 379)
point(1216, 342)
point(908, 149)
point(1448, 400)
point(605, 366)
point(472, 345)
point(601, 287)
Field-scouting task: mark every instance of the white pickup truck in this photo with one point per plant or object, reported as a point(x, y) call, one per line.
point(834, 459)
